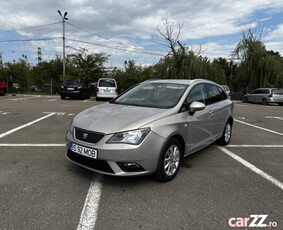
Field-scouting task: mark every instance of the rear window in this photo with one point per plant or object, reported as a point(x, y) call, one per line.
point(72, 82)
point(277, 91)
point(106, 83)
point(226, 88)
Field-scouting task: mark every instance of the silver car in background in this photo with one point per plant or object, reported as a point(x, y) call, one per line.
point(150, 128)
point(265, 96)
point(227, 90)
point(106, 88)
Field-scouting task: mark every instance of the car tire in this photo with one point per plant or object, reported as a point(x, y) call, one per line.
point(246, 100)
point(169, 161)
point(97, 99)
point(227, 134)
point(280, 104)
point(3, 92)
point(63, 97)
point(264, 101)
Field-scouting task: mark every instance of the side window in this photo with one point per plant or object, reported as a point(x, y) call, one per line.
point(214, 93)
point(198, 93)
point(257, 91)
point(223, 95)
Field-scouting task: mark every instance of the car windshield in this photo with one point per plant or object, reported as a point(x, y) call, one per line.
point(156, 95)
point(277, 91)
point(107, 83)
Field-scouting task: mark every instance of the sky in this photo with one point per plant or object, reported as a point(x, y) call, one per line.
point(127, 29)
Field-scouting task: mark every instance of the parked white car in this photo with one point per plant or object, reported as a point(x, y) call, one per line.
point(106, 88)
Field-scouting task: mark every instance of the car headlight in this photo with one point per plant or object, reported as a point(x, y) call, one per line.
point(134, 137)
point(71, 128)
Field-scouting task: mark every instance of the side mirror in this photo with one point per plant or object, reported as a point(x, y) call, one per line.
point(196, 106)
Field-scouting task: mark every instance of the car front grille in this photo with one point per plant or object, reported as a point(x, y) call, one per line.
point(88, 136)
point(95, 164)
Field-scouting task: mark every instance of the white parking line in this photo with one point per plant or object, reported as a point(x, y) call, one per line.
point(32, 145)
point(55, 99)
point(255, 146)
point(90, 209)
point(258, 127)
point(23, 126)
point(253, 168)
point(272, 117)
point(19, 99)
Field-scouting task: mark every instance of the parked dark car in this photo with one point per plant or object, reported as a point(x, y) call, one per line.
point(3, 88)
point(265, 96)
point(74, 88)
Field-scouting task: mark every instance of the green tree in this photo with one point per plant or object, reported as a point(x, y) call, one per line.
point(87, 67)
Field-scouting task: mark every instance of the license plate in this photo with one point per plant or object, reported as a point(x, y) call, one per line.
point(106, 90)
point(70, 88)
point(88, 152)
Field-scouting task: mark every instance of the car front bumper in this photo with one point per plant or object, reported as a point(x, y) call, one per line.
point(114, 159)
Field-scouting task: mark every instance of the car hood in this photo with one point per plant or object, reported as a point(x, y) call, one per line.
point(112, 118)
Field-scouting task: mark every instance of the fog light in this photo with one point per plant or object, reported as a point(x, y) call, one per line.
point(130, 167)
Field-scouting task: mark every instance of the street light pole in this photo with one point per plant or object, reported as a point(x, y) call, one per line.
point(64, 17)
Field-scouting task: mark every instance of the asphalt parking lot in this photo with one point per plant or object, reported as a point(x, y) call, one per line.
point(216, 188)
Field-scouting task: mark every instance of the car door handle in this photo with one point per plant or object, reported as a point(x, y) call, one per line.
point(210, 112)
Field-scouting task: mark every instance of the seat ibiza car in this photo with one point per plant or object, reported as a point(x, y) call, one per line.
point(150, 128)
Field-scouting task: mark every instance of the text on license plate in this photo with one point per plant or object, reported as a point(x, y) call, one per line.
point(92, 153)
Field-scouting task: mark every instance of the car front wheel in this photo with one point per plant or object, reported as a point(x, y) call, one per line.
point(227, 134)
point(169, 162)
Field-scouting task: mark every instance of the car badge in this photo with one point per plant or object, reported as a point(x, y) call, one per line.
point(85, 135)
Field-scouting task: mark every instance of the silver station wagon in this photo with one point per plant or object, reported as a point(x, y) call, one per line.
point(150, 128)
point(265, 96)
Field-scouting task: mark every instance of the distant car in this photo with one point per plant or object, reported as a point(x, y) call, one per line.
point(74, 88)
point(106, 88)
point(227, 90)
point(265, 96)
point(150, 128)
point(3, 88)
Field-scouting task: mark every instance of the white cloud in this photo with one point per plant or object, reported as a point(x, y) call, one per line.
point(134, 22)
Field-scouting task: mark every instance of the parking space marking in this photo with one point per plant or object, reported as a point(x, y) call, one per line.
point(272, 117)
point(18, 99)
point(23, 126)
point(253, 168)
point(90, 209)
point(32, 145)
point(55, 99)
point(57, 113)
point(258, 127)
point(4, 113)
point(255, 146)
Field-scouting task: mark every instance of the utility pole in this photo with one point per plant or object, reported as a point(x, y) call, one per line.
point(39, 55)
point(64, 17)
